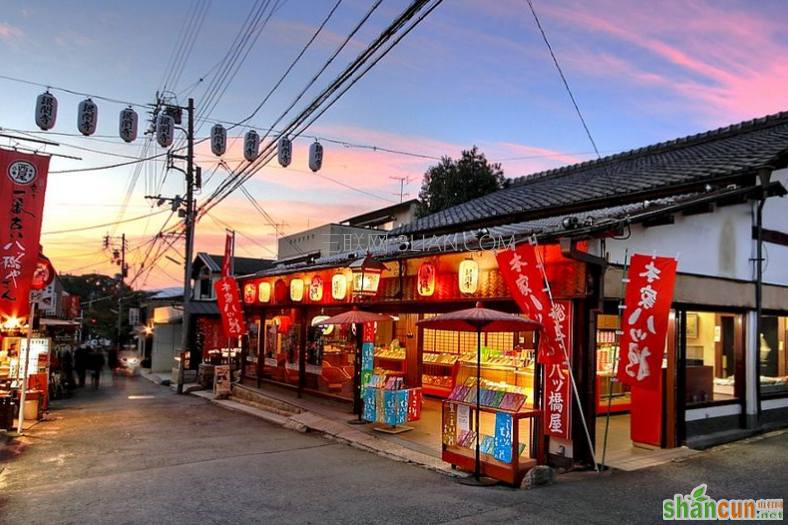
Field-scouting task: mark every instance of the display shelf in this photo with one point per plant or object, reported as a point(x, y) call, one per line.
point(465, 457)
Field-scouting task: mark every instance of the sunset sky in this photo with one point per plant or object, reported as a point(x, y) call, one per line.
point(472, 73)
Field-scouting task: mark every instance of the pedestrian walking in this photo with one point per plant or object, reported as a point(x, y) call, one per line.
point(96, 365)
point(81, 363)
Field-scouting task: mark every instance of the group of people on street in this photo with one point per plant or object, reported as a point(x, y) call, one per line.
point(87, 359)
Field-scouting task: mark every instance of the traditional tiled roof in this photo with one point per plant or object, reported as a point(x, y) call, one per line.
point(242, 265)
point(720, 157)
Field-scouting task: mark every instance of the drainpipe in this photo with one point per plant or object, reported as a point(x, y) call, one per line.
point(764, 177)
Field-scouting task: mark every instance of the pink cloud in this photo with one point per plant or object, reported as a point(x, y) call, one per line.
point(9, 32)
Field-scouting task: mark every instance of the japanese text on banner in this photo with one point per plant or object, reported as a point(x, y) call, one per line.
point(557, 386)
point(523, 275)
point(23, 182)
point(230, 306)
point(645, 321)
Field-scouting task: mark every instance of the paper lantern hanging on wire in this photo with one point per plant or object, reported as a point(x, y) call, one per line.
point(46, 111)
point(87, 117)
point(315, 156)
point(285, 151)
point(251, 145)
point(165, 130)
point(218, 140)
point(127, 126)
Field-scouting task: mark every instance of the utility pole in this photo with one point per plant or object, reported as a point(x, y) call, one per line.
point(119, 258)
point(189, 232)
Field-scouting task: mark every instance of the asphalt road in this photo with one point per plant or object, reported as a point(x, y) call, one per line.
point(136, 453)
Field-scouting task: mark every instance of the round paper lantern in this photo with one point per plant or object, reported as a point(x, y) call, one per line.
point(250, 292)
point(264, 292)
point(87, 117)
point(469, 276)
point(218, 140)
point(426, 280)
point(296, 290)
point(316, 289)
point(165, 130)
point(46, 111)
point(280, 291)
point(127, 126)
point(339, 286)
point(284, 151)
point(315, 156)
point(251, 145)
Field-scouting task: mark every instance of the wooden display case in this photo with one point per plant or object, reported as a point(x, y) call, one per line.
point(511, 473)
point(439, 373)
point(391, 360)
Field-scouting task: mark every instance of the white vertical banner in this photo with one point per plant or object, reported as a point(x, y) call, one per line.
point(134, 316)
point(463, 417)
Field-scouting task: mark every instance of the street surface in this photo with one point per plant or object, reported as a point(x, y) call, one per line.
point(135, 453)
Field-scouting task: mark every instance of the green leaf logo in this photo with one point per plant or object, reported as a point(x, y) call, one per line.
point(698, 492)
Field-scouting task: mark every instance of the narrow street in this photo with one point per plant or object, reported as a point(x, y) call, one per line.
point(136, 453)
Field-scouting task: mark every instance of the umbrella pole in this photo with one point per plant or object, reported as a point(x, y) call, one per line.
point(357, 371)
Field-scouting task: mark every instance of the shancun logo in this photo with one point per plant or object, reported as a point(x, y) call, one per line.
point(22, 172)
point(698, 506)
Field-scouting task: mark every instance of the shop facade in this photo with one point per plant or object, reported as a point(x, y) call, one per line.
point(724, 369)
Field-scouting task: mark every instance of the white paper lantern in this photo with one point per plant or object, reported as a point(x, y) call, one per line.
point(46, 111)
point(251, 145)
point(285, 151)
point(165, 130)
point(218, 140)
point(338, 286)
point(296, 290)
point(315, 156)
point(87, 117)
point(127, 127)
point(469, 276)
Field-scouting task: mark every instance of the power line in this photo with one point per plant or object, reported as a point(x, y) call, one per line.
point(103, 225)
point(72, 92)
point(563, 79)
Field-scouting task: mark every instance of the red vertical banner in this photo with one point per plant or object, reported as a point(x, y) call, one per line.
point(230, 306)
point(23, 182)
point(645, 321)
point(229, 248)
point(557, 384)
point(523, 275)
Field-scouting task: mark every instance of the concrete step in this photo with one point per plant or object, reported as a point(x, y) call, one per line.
point(256, 399)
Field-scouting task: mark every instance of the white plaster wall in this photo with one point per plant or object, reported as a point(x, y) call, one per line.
point(714, 244)
point(775, 217)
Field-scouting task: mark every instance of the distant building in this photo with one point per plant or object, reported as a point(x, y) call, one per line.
point(362, 231)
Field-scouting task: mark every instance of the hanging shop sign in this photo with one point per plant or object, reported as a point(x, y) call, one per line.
point(426, 280)
point(316, 289)
point(284, 151)
point(229, 249)
point(165, 130)
point(557, 385)
point(43, 275)
point(645, 321)
point(339, 286)
point(218, 140)
point(229, 306)
point(264, 292)
point(469, 276)
point(251, 145)
point(523, 275)
point(46, 111)
point(315, 156)
point(23, 182)
point(127, 125)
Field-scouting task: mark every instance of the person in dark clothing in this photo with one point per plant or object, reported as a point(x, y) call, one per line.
point(81, 363)
point(112, 359)
point(96, 365)
point(67, 366)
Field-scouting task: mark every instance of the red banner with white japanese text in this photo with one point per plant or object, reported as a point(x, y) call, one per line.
point(523, 275)
point(23, 182)
point(229, 248)
point(557, 385)
point(230, 306)
point(645, 320)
